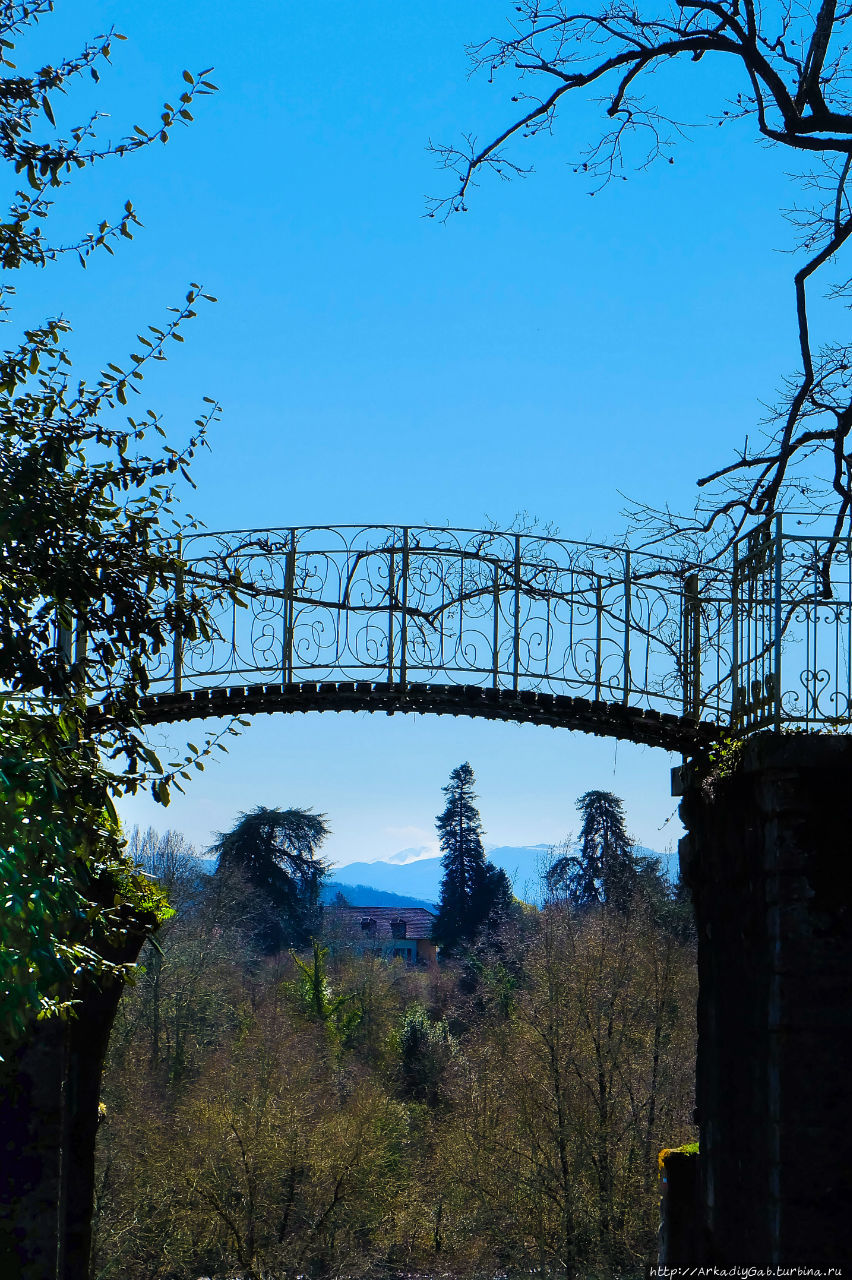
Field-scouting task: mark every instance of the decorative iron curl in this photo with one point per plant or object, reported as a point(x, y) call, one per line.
point(516, 611)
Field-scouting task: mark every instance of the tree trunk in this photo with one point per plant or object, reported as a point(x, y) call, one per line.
point(49, 1093)
point(33, 1149)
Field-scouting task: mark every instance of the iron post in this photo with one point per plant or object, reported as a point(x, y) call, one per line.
point(391, 590)
point(177, 640)
point(626, 676)
point(691, 659)
point(735, 641)
point(495, 642)
point(779, 561)
point(403, 656)
point(598, 635)
point(289, 611)
point(516, 638)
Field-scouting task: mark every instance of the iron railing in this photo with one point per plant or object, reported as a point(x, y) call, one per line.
point(408, 604)
point(792, 625)
point(402, 604)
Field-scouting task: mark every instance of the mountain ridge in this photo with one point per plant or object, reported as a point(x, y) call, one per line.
point(421, 877)
point(416, 881)
point(364, 895)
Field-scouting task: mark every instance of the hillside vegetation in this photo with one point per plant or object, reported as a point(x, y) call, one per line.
point(332, 1113)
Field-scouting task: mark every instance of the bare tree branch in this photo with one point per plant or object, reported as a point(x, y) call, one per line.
point(797, 71)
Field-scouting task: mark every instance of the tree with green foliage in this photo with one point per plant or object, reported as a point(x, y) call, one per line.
point(88, 566)
point(366, 1118)
point(474, 893)
point(669, 904)
point(276, 851)
point(425, 1050)
point(339, 1014)
point(606, 869)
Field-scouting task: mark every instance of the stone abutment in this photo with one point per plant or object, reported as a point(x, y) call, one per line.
point(767, 857)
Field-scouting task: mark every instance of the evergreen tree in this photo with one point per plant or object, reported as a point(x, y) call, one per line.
point(276, 850)
point(473, 891)
point(425, 1050)
point(606, 869)
point(653, 887)
point(670, 905)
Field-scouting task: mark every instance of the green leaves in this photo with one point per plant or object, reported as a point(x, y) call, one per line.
point(314, 998)
point(160, 791)
point(66, 884)
point(85, 513)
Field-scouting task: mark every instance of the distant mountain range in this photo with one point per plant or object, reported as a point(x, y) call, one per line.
point(411, 878)
point(407, 874)
point(364, 895)
point(357, 895)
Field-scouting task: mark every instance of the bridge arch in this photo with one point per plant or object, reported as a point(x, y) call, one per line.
point(558, 711)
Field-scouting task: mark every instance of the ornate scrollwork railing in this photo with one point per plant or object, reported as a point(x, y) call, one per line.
point(513, 611)
point(401, 604)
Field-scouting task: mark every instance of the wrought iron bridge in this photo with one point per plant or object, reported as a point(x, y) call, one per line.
point(521, 627)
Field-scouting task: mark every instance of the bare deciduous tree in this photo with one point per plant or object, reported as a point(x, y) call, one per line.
point(796, 73)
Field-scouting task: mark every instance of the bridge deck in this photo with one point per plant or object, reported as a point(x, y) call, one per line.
point(507, 626)
point(558, 711)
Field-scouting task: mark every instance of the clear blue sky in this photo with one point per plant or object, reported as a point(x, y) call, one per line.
point(546, 353)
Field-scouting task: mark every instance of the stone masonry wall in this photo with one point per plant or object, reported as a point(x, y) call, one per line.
point(767, 857)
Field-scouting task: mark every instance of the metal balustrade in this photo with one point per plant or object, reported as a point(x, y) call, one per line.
point(765, 643)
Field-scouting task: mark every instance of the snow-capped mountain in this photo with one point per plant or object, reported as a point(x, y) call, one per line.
point(405, 856)
point(420, 877)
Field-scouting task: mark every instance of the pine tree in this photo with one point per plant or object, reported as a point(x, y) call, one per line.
point(473, 891)
point(606, 869)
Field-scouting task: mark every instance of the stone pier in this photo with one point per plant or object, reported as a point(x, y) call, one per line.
point(767, 856)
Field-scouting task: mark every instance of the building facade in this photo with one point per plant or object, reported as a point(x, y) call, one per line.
point(403, 933)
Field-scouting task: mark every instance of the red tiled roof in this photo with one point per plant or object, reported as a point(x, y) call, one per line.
point(418, 921)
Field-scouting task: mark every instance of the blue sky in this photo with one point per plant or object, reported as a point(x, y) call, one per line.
point(547, 352)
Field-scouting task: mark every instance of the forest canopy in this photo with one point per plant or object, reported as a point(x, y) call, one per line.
point(339, 1111)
